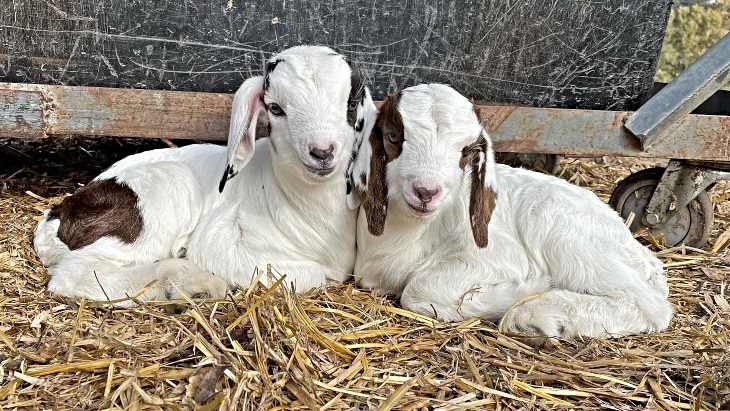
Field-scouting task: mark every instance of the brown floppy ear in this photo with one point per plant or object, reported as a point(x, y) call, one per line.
point(483, 195)
point(376, 200)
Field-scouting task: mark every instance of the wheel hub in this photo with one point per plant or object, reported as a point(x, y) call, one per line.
point(675, 230)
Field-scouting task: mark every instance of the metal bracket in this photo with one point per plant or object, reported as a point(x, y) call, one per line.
point(695, 84)
point(679, 185)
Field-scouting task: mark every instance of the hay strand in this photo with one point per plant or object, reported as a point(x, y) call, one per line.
point(339, 348)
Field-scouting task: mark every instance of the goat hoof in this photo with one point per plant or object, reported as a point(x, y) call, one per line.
point(175, 308)
point(535, 321)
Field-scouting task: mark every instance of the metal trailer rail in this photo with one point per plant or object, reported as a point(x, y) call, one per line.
point(680, 197)
point(672, 203)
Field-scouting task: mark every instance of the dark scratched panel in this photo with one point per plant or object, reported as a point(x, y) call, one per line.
point(549, 53)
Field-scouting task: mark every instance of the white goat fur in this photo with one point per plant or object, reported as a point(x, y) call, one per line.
point(275, 210)
point(559, 262)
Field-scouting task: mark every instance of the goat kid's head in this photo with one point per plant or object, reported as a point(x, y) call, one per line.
point(426, 144)
point(315, 104)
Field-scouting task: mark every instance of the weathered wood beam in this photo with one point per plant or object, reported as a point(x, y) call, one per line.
point(38, 111)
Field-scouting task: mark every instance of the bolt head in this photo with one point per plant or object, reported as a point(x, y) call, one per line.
point(652, 218)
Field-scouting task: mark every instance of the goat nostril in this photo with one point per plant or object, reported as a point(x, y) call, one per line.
point(320, 154)
point(425, 194)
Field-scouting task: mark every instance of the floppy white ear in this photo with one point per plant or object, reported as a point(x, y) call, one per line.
point(247, 103)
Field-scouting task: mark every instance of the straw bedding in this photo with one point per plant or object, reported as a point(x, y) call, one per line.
point(340, 348)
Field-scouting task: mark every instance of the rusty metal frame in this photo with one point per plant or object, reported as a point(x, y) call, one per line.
point(592, 133)
point(39, 111)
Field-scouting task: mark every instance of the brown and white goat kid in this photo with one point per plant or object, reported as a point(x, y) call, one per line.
point(467, 237)
point(286, 206)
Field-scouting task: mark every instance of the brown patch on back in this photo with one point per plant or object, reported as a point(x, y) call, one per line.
point(389, 121)
point(101, 208)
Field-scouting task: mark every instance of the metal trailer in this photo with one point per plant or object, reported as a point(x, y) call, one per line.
point(570, 78)
point(672, 202)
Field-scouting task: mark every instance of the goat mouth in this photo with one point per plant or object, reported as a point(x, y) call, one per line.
point(322, 172)
point(420, 210)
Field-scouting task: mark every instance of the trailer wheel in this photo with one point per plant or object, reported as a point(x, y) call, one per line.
point(547, 163)
point(691, 226)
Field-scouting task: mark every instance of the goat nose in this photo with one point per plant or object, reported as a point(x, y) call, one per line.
point(426, 194)
point(321, 154)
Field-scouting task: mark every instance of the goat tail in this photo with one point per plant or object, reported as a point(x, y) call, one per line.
point(46, 243)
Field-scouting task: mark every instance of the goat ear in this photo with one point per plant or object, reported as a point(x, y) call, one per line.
point(483, 189)
point(358, 170)
point(376, 200)
point(247, 103)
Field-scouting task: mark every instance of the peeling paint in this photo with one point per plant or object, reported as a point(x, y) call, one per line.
point(53, 110)
point(498, 117)
point(21, 115)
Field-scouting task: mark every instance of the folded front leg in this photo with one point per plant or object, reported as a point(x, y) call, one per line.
point(528, 305)
point(103, 280)
point(457, 290)
point(301, 275)
point(567, 314)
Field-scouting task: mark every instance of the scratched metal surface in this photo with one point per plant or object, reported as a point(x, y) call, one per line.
point(595, 54)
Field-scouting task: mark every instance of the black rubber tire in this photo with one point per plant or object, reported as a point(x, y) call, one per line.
point(692, 226)
point(546, 163)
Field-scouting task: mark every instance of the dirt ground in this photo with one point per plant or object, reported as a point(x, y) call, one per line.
point(339, 348)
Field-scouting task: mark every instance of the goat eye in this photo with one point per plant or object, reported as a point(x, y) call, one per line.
point(352, 105)
point(276, 110)
point(393, 138)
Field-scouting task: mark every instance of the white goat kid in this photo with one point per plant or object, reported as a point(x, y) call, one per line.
point(287, 206)
point(556, 261)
